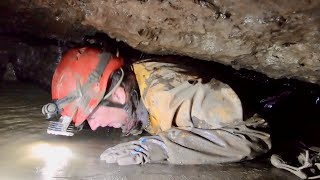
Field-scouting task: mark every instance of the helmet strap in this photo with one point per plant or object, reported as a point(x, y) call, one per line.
point(135, 121)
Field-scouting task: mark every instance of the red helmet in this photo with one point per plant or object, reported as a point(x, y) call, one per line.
point(80, 81)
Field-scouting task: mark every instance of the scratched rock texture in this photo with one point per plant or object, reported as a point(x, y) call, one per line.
point(279, 38)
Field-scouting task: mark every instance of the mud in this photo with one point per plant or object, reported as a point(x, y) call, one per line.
point(27, 152)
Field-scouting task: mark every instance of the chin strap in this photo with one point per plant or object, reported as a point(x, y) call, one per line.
point(135, 123)
point(115, 87)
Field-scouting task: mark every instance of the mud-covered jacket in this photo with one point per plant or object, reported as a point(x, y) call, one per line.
point(199, 122)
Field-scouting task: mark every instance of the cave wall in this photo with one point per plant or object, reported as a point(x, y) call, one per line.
point(36, 63)
point(30, 59)
point(279, 38)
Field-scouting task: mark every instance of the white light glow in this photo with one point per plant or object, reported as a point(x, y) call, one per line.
point(55, 158)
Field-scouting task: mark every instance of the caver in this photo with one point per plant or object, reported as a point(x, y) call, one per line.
point(190, 121)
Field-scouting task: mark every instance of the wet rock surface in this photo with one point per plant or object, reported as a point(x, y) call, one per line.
point(9, 74)
point(277, 38)
point(30, 59)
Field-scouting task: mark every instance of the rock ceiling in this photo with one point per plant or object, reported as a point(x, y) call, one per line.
point(279, 38)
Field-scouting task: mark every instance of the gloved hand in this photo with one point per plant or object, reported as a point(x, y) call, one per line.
point(144, 150)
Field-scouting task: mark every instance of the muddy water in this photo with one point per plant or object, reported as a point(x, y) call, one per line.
point(27, 152)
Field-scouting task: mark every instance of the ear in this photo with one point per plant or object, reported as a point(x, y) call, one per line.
point(119, 95)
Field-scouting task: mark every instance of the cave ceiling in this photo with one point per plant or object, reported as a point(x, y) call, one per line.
point(279, 38)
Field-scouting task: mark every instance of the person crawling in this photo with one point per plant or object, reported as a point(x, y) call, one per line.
point(190, 121)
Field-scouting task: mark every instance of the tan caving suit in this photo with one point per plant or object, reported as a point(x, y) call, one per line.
point(199, 122)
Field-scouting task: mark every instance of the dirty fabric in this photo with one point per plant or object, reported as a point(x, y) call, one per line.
point(199, 122)
point(171, 96)
point(144, 150)
point(205, 146)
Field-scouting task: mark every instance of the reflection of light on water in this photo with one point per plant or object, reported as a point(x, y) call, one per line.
point(55, 158)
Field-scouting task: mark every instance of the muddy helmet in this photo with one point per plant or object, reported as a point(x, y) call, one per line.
point(80, 81)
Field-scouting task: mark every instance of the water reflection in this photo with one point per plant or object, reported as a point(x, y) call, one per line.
point(55, 158)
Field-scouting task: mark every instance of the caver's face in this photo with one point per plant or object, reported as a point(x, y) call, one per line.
point(105, 116)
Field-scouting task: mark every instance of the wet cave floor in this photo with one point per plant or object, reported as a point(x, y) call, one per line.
point(27, 152)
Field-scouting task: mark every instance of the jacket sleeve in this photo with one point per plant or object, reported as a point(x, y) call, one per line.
point(200, 122)
point(210, 146)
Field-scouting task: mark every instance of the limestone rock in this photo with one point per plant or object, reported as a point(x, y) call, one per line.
point(279, 38)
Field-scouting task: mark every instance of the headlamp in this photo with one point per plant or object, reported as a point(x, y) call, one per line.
point(50, 110)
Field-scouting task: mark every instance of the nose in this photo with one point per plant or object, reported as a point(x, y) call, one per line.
point(93, 123)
